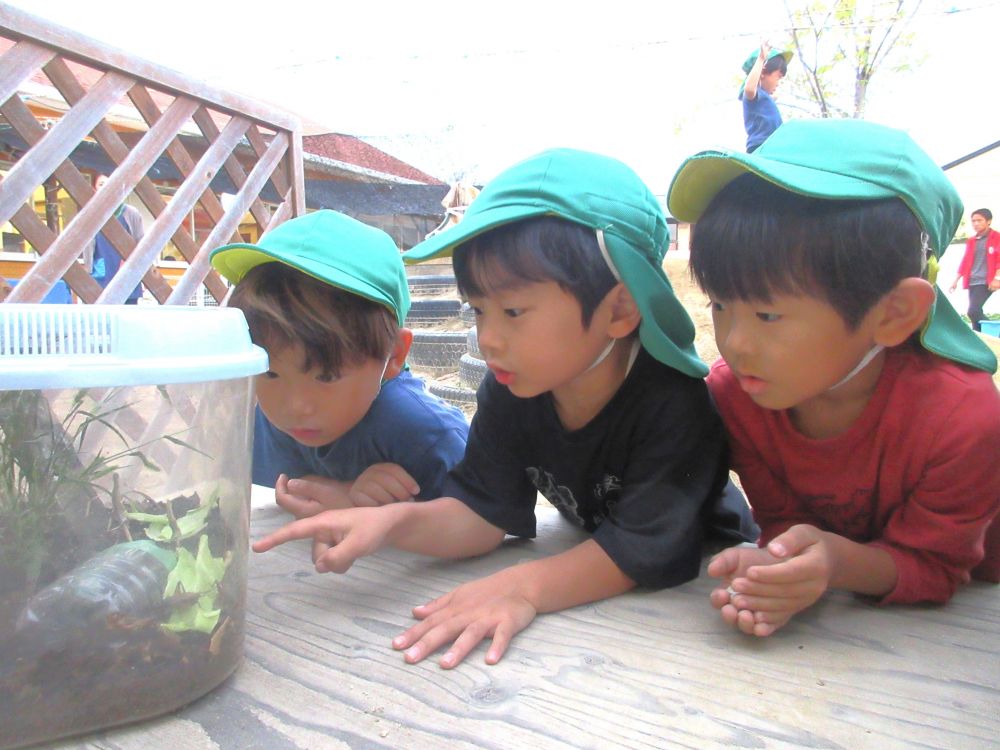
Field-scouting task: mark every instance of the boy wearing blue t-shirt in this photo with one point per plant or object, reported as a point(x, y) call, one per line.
point(338, 410)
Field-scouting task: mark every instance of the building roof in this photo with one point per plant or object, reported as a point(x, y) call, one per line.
point(348, 148)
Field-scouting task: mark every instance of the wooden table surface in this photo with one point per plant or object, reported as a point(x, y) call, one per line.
point(643, 670)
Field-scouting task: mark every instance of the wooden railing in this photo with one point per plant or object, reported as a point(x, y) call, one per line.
point(253, 143)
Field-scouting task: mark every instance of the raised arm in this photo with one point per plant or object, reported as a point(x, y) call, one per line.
point(753, 77)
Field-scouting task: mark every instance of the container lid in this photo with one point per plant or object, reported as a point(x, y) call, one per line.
point(85, 346)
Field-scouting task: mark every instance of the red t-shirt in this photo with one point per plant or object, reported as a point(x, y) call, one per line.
point(918, 473)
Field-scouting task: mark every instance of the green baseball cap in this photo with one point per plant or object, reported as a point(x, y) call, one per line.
point(785, 53)
point(847, 160)
point(605, 195)
point(752, 58)
point(331, 247)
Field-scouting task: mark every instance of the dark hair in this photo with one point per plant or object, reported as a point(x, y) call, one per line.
point(984, 212)
point(536, 250)
point(756, 240)
point(284, 307)
point(777, 62)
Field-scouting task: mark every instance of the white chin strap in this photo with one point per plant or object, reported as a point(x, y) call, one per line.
point(602, 356)
point(614, 272)
point(381, 379)
point(865, 360)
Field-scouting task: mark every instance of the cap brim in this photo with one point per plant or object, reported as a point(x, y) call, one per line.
point(237, 260)
point(703, 175)
point(472, 225)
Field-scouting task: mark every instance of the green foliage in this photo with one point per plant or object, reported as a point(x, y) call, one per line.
point(43, 464)
point(199, 574)
point(840, 45)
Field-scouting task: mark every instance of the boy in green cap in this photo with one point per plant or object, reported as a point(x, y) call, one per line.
point(338, 410)
point(863, 421)
point(595, 398)
point(765, 67)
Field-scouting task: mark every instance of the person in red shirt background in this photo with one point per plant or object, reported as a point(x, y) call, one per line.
point(979, 270)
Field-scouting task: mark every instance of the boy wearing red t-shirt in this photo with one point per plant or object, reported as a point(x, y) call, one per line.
point(863, 421)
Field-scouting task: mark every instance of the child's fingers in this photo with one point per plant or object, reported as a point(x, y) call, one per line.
point(775, 605)
point(362, 497)
point(337, 558)
point(382, 493)
point(298, 506)
point(729, 614)
point(430, 640)
point(745, 587)
point(401, 478)
point(746, 621)
point(724, 564)
point(470, 637)
point(794, 541)
point(424, 611)
point(763, 629)
point(301, 529)
point(719, 598)
point(794, 570)
point(501, 640)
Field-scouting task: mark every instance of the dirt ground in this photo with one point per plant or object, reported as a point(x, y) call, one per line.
point(696, 304)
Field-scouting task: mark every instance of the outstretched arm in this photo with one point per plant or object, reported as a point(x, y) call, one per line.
point(445, 527)
point(503, 604)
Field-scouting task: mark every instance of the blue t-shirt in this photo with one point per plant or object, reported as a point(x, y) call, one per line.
point(760, 118)
point(107, 261)
point(405, 425)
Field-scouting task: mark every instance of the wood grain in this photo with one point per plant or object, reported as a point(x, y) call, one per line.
point(643, 670)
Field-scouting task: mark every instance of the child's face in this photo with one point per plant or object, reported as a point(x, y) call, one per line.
point(769, 81)
point(532, 337)
point(312, 408)
point(789, 350)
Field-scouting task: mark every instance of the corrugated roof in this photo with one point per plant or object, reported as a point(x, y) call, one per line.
point(353, 150)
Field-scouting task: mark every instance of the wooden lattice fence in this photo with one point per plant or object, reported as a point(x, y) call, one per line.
point(253, 145)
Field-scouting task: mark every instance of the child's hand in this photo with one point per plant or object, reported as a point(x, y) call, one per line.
point(309, 495)
point(791, 574)
point(339, 536)
point(729, 565)
point(490, 607)
point(380, 484)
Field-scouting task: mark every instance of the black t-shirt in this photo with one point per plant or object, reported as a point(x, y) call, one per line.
point(645, 476)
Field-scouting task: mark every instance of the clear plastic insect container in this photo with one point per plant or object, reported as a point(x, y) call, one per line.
point(125, 445)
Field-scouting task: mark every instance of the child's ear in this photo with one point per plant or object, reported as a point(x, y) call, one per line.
point(625, 315)
point(400, 350)
point(903, 310)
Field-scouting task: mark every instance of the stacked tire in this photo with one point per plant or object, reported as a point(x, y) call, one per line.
point(445, 351)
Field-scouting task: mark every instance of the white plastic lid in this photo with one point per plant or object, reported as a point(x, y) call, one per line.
point(85, 346)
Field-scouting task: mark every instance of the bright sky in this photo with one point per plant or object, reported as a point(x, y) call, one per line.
point(469, 88)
